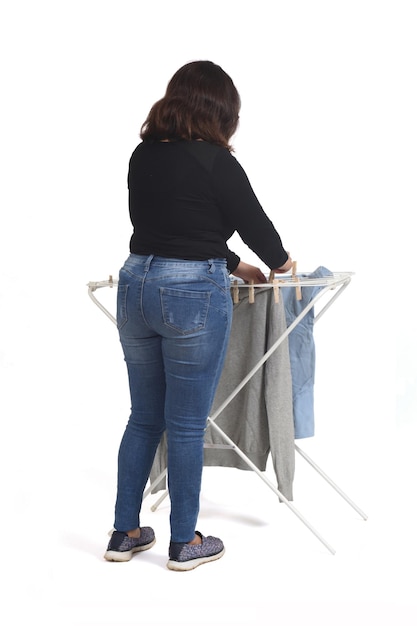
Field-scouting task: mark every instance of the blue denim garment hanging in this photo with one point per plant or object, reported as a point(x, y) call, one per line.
point(302, 353)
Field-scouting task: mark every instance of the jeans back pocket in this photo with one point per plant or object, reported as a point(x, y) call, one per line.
point(183, 310)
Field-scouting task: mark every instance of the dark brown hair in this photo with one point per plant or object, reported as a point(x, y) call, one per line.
point(201, 102)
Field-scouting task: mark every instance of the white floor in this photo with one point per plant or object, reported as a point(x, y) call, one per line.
point(275, 571)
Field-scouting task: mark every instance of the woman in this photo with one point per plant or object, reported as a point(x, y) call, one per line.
point(187, 195)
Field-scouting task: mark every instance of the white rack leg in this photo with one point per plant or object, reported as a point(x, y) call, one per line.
point(101, 306)
point(151, 486)
point(155, 482)
point(331, 482)
point(271, 486)
point(158, 502)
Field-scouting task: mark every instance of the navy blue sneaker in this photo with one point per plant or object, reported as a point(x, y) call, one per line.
point(183, 556)
point(122, 547)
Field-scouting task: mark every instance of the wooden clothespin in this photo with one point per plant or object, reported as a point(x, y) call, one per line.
point(275, 282)
point(297, 280)
point(276, 289)
point(111, 280)
point(251, 292)
point(235, 290)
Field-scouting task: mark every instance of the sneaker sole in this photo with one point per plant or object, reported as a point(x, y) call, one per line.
point(185, 566)
point(122, 557)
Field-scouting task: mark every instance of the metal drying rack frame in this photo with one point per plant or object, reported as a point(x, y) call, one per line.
point(333, 286)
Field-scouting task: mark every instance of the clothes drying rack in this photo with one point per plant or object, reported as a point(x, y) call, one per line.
point(332, 286)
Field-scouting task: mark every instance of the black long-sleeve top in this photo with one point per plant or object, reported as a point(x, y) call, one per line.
point(187, 198)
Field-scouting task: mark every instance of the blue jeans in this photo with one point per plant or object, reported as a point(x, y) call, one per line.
point(174, 319)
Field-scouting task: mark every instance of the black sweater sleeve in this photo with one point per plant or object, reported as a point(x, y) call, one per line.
point(242, 210)
point(232, 260)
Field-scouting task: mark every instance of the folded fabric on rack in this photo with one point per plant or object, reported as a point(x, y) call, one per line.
point(259, 419)
point(303, 353)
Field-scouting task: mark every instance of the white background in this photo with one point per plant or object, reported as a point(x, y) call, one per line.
point(328, 139)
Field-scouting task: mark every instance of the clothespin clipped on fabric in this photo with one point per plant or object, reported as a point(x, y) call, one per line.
point(111, 280)
point(275, 282)
point(297, 280)
point(251, 292)
point(235, 290)
point(276, 290)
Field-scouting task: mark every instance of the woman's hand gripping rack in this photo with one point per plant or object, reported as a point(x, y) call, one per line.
point(336, 283)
